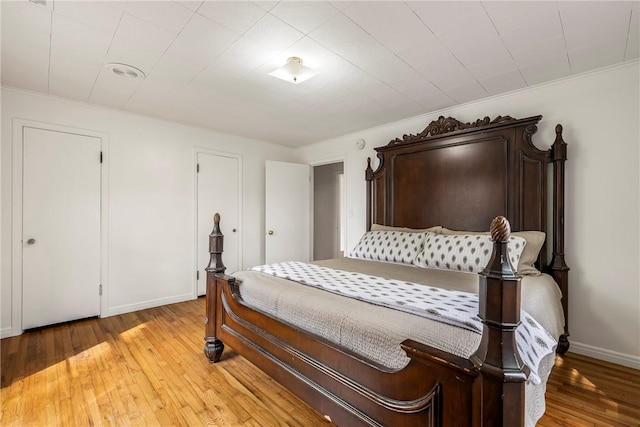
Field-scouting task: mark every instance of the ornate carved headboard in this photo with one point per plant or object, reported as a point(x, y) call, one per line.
point(462, 175)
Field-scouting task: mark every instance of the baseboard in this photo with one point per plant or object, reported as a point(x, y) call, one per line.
point(8, 332)
point(603, 354)
point(128, 308)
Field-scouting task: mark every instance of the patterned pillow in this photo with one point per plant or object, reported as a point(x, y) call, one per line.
point(463, 252)
point(535, 240)
point(389, 246)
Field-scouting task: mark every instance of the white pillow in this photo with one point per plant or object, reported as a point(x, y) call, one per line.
point(463, 252)
point(389, 246)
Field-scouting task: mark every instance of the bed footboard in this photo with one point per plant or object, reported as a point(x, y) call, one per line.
point(435, 389)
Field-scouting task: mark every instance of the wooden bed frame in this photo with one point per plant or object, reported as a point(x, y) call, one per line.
point(467, 174)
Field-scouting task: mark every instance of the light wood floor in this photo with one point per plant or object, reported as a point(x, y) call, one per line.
point(147, 368)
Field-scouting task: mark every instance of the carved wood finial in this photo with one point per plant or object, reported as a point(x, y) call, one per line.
point(559, 147)
point(216, 244)
point(500, 229)
point(216, 225)
point(368, 173)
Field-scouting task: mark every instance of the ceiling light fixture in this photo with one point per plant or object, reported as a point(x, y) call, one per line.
point(125, 71)
point(293, 71)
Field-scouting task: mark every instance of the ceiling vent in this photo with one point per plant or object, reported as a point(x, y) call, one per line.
point(125, 71)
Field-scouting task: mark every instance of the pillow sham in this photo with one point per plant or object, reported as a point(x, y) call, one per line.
point(463, 252)
point(535, 241)
point(389, 246)
point(380, 227)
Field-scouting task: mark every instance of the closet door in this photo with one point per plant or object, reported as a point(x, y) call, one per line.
point(61, 227)
point(218, 191)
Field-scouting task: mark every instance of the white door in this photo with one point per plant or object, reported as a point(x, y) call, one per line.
point(287, 212)
point(61, 227)
point(218, 191)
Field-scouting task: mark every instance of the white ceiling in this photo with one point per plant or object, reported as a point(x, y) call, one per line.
point(207, 63)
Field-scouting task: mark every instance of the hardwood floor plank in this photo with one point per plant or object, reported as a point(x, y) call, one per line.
point(147, 368)
point(584, 391)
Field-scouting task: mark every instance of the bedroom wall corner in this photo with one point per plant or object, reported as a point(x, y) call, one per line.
point(151, 198)
point(601, 117)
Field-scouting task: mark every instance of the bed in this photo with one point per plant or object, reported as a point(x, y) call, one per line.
point(472, 175)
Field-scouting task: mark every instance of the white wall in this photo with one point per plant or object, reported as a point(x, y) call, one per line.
point(601, 118)
point(150, 202)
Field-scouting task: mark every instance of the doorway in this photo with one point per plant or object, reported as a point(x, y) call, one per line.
point(328, 211)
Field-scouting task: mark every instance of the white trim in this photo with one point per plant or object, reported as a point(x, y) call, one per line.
point(104, 224)
point(128, 308)
point(16, 229)
point(7, 332)
point(194, 277)
point(603, 354)
point(16, 213)
point(238, 157)
point(329, 160)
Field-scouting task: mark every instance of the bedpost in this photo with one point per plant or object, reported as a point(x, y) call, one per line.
point(558, 267)
point(368, 176)
point(213, 346)
point(500, 386)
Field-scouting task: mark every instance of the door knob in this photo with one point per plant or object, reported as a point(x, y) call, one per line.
point(31, 241)
point(270, 233)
